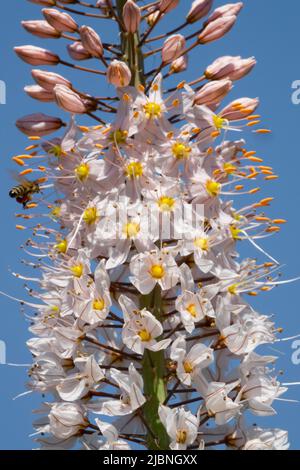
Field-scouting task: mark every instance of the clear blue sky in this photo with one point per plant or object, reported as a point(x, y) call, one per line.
point(267, 29)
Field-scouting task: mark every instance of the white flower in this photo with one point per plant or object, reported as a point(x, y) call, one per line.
point(181, 426)
point(110, 433)
point(67, 419)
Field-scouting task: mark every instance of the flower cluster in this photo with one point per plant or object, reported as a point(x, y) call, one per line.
point(143, 335)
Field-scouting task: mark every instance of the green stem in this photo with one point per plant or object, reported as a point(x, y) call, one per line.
point(154, 375)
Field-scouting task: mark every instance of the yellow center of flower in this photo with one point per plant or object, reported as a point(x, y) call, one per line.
point(202, 243)
point(144, 335)
point(181, 436)
point(82, 171)
point(213, 188)
point(233, 289)
point(181, 151)
point(131, 229)
point(118, 136)
point(192, 310)
point(235, 232)
point(61, 246)
point(98, 304)
point(134, 170)
point(229, 168)
point(152, 110)
point(56, 211)
point(56, 150)
point(90, 215)
point(188, 368)
point(218, 122)
point(77, 270)
point(157, 271)
point(166, 203)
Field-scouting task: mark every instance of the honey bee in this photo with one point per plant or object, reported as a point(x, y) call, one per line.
point(23, 192)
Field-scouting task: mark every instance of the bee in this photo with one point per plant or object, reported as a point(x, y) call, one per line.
point(24, 191)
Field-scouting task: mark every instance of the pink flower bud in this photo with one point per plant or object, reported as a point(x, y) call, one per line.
point(102, 4)
point(173, 48)
point(131, 16)
point(213, 92)
point(118, 73)
point(151, 19)
point(36, 55)
point(60, 21)
point(239, 109)
point(48, 80)
point(198, 10)
point(230, 67)
point(165, 6)
point(40, 28)
point(230, 9)
point(39, 124)
point(91, 41)
point(180, 64)
point(216, 29)
point(77, 51)
point(38, 93)
point(70, 101)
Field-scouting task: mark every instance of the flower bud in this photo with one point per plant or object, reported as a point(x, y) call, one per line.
point(230, 9)
point(40, 28)
point(230, 67)
point(118, 73)
point(165, 6)
point(77, 51)
point(180, 64)
point(172, 48)
point(131, 16)
point(60, 21)
point(48, 80)
point(213, 92)
point(239, 109)
point(71, 102)
point(36, 55)
point(198, 10)
point(91, 41)
point(152, 18)
point(216, 29)
point(102, 4)
point(38, 93)
point(39, 124)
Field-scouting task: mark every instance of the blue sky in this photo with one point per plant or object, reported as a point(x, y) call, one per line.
point(266, 29)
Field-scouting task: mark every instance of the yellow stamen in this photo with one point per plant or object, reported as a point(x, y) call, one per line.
point(181, 150)
point(82, 171)
point(134, 170)
point(152, 110)
point(99, 304)
point(192, 310)
point(77, 270)
point(144, 335)
point(157, 271)
point(62, 246)
point(166, 204)
point(213, 188)
point(131, 229)
point(90, 215)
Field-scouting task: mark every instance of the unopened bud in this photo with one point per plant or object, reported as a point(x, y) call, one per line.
point(172, 48)
point(91, 41)
point(36, 55)
point(131, 16)
point(230, 67)
point(60, 21)
point(152, 18)
point(216, 29)
point(39, 124)
point(239, 109)
point(198, 10)
point(165, 6)
point(180, 64)
point(118, 74)
point(213, 92)
point(48, 80)
point(102, 4)
point(230, 9)
point(38, 93)
point(70, 101)
point(77, 51)
point(40, 28)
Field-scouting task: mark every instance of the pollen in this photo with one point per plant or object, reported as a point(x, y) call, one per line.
point(157, 271)
point(188, 367)
point(118, 136)
point(181, 436)
point(90, 215)
point(99, 304)
point(134, 170)
point(166, 203)
point(202, 243)
point(213, 188)
point(62, 246)
point(152, 110)
point(235, 232)
point(131, 229)
point(192, 310)
point(181, 151)
point(233, 289)
point(82, 171)
point(218, 122)
point(77, 270)
point(144, 335)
